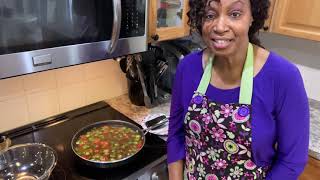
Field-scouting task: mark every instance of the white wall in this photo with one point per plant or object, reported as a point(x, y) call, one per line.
point(311, 79)
point(304, 53)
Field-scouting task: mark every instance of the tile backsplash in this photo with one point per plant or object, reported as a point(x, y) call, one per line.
point(29, 98)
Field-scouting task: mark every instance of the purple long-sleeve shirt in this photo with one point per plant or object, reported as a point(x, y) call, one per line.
point(280, 113)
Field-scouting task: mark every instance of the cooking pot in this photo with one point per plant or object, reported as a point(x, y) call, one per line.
point(107, 164)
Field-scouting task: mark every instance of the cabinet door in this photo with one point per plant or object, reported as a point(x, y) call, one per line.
point(311, 171)
point(168, 19)
point(297, 18)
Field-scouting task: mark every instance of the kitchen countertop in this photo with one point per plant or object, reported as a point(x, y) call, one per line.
point(314, 143)
point(138, 113)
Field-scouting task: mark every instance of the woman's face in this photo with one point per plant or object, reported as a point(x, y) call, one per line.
point(226, 25)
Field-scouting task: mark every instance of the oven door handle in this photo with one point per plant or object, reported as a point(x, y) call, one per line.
point(116, 26)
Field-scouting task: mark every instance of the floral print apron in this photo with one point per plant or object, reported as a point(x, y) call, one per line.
point(218, 136)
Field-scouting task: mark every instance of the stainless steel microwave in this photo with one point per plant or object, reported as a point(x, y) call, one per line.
point(37, 35)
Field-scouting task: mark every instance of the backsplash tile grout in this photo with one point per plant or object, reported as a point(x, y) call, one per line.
point(11, 88)
point(52, 92)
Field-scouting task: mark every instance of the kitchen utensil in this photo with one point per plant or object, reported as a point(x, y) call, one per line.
point(162, 67)
point(161, 130)
point(27, 161)
point(154, 121)
point(146, 98)
point(148, 65)
point(156, 125)
point(135, 91)
point(4, 142)
point(107, 164)
point(119, 123)
point(131, 69)
point(2, 138)
point(123, 64)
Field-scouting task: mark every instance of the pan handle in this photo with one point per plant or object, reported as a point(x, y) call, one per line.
point(160, 123)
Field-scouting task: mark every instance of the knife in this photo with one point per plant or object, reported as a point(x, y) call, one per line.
point(146, 98)
point(155, 120)
point(157, 125)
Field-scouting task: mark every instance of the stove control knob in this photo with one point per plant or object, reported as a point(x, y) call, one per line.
point(154, 176)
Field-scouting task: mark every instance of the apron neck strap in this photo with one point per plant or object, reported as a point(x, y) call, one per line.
point(206, 77)
point(246, 86)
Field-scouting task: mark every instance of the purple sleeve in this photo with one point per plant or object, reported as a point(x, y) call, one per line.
point(292, 121)
point(175, 141)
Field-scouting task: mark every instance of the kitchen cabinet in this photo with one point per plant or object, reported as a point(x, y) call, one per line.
point(311, 171)
point(168, 19)
point(297, 18)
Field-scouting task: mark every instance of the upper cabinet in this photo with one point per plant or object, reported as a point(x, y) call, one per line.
point(297, 18)
point(168, 19)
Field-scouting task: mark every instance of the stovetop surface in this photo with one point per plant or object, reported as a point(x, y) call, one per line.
point(59, 134)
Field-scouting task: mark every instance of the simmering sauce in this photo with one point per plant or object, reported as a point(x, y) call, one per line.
point(108, 143)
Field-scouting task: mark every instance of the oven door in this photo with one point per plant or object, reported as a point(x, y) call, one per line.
point(157, 170)
point(38, 35)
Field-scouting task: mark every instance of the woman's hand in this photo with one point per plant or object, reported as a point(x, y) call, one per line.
point(176, 170)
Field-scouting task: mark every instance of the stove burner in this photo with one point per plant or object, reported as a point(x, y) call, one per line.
point(57, 132)
point(58, 173)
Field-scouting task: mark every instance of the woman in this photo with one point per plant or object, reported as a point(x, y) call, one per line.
point(238, 111)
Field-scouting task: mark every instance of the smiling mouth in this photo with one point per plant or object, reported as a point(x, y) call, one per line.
point(221, 43)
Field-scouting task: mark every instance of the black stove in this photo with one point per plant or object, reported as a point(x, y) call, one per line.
point(58, 131)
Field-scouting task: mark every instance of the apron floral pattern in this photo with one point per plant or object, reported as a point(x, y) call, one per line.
point(218, 140)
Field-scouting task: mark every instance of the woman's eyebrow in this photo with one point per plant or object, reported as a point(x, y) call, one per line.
point(238, 2)
point(212, 3)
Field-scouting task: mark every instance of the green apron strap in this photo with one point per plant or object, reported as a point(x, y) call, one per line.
point(246, 87)
point(205, 80)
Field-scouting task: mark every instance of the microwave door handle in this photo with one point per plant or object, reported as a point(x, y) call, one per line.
point(116, 26)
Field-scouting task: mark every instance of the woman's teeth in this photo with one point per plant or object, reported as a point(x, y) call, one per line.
point(219, 43)
point(222, 41)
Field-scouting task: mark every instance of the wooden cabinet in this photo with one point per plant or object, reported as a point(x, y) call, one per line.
point(168, 19)
point(311, 171)
point(297, 18)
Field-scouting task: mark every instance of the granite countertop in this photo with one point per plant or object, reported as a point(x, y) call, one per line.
point(314, 143)
point(138, 113)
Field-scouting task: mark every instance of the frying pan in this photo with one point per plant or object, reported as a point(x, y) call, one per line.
point(107, 164)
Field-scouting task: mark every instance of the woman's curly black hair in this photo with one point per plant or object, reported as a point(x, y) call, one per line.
point(259, 9)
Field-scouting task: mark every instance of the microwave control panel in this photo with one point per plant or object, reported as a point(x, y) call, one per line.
point(133, 18)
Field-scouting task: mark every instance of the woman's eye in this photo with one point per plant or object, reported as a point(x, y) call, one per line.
point(210, 16)
point(235, 14)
